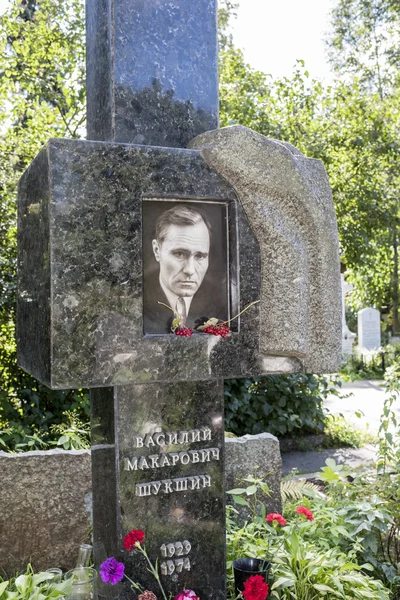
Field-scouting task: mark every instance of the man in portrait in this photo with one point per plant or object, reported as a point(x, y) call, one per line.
point(182, 251)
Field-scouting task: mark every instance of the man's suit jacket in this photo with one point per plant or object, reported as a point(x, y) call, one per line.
point(207, 302)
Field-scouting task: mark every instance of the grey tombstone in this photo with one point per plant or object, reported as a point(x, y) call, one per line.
point(347, 335)
point(369, 328)
point(157, 399)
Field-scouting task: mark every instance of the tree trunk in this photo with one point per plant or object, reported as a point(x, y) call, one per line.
point(395, 284)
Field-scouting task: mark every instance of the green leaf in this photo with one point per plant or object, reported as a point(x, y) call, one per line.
point(3, 586)
point(283, 582)
point(240, 500)
point(237, 491)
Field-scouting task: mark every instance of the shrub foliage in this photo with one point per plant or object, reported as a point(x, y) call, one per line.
point(279, 404)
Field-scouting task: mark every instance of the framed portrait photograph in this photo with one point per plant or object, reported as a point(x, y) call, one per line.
point(185, 262)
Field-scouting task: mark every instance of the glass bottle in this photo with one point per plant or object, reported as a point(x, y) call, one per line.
point(84, 556)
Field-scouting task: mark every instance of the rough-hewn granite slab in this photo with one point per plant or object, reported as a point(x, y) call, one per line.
point(45, 508)
point(288, 203)
point(152, 75)
point(80, 300)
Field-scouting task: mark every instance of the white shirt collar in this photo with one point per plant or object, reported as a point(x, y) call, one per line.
point(172, 298)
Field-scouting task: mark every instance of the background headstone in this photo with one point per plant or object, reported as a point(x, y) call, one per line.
point(369, 328)
point(347, 335)
point(257, 455)
point(45, 508)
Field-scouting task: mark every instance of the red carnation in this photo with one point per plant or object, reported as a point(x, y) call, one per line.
point(255, 588)
point(302, 510)
point(133, 539)
point(276, 517)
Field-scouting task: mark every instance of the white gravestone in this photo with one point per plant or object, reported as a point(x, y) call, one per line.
point(369, 328)
point(347, 335)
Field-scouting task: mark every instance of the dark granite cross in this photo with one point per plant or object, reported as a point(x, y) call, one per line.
point(152, 79)
point(157, 398)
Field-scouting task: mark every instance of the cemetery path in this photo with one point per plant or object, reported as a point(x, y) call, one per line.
point(367, 397)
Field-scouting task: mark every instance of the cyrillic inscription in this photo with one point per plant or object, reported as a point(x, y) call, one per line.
point(170, 459)
point(168, 438)
point(168, 486)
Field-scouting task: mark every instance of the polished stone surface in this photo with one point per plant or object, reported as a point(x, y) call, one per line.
point(163, 458)
point(91, 324)
point(152, 74)
point(288, 203)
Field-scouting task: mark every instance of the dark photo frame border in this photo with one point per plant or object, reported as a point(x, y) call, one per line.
point(220, 280)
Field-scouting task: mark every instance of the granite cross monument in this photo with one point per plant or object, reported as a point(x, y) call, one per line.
point(159, 205)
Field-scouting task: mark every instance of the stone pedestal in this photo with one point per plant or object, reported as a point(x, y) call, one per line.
point(159, 450)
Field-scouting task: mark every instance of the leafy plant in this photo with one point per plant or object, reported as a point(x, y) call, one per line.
point(279, 404)
point(294, 489)
point(339, 433)
point(75, 435)
point(31, 586)
point(389, 442)
point(303, 572)
point(314, 557)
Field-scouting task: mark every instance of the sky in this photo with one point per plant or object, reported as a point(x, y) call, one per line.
point(274, 33)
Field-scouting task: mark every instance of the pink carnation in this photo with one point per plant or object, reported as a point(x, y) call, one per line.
point(187, 595)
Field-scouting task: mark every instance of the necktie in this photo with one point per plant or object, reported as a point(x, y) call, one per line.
point(180, 310)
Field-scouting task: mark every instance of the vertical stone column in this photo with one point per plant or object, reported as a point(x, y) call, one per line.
point(152, 74)
point(157, 449)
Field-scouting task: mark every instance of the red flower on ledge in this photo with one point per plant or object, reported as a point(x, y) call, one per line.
point(255, 588)
point(133, 539)
point(302, 510)
point(276, 517)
